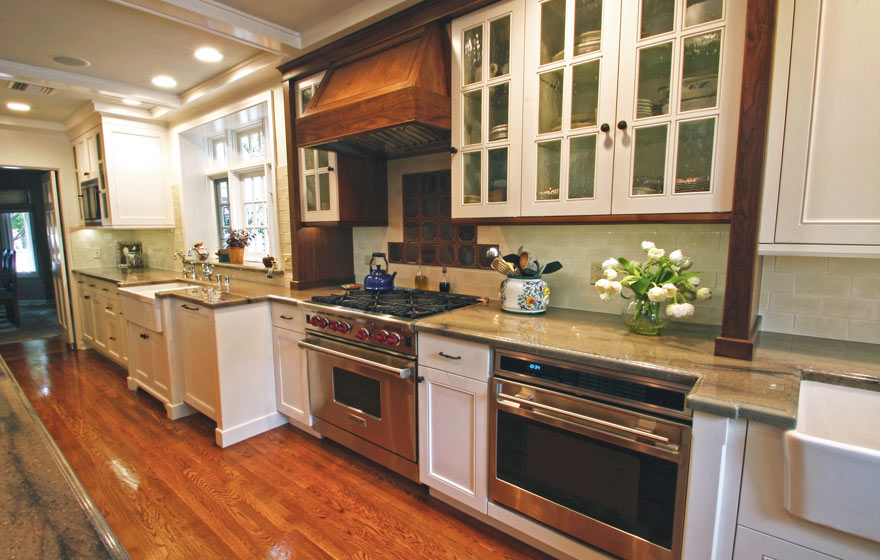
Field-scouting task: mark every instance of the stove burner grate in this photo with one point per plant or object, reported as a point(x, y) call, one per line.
point(409, 304)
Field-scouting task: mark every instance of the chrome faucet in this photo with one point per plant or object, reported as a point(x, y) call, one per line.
point(189, 269)
point(207, 270)
point(227, 282)
point(219, 286)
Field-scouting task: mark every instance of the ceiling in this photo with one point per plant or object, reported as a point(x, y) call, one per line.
point(128, 42)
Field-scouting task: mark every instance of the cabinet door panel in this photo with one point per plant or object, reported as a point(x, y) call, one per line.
point(198, 359)
point(142, 358)
point(291, 375)
point(87, 315)
point(136, 177)
point(752, 545)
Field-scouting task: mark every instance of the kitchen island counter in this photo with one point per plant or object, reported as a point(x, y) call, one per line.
point(764, 389)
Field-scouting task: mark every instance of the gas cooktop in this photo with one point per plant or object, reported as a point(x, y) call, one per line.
point(400, 302)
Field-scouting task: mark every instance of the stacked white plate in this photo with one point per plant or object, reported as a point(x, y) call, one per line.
point(644, 108)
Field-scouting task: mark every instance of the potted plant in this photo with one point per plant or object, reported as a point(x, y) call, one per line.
point(236, 242)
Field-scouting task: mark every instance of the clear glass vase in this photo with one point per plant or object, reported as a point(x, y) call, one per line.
point(643, 316)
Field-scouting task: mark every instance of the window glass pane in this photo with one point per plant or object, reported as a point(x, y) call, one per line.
point(552, 31)
point(699, 80)
point(587, 26)
point(550, 101)
point(324, 185)
point(251, 145)
point(693, 169)
point(498, 102)
point(649, 167)
point(582, 167)
point(224, 213)
point(655, 68)
point(471, 184)
point(259, 241)
point(472, 55)
point(223, 190)
point(310, 158)
point(473, 107)
point(547, 187)
point(247, 185)
point(658, 16)
point(585, 94)
point(701, 11)
point(499, 47)
point(219, 148)
point(498, 175)
point(22, 242)
point(311, 196)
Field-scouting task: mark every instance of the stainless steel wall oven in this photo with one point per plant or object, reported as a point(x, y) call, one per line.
point(599, 455)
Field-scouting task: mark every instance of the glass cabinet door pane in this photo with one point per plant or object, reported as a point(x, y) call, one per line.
point(655, 70)
point(471, 179)
point(699, 75)
point(323, 158)
point(498, 113)
point(499, 47)
point(552, 31)
point(649, 165)
point(702, 11)
point(582, 167)
point(498, 175)
point(472, 114)
point(324, 188)
point(549, 153)
point(587, 26)
point(658, 16)
point(305, 96)
point(550, 101)
point(584, 94)
point(472, 57)
point(311, 195)
point(310, 158)
point(696, 141)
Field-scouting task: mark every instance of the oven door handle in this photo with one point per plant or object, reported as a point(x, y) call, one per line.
point(588, 419)
point(403, 373)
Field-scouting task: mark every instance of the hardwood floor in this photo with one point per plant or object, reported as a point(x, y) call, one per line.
point(168, 492)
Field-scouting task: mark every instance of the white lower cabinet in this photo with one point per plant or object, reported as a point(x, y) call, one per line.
point(198, 358)
point(453, 446)
point(87, 314)
point(753, 545)
point(149, 365)
point(100, 317)
point(291, 375)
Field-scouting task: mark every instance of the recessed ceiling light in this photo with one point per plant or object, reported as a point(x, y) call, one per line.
point(71, 60)
point(208, 54)
point(164, 81)
point(18, 106)
point(133, 102)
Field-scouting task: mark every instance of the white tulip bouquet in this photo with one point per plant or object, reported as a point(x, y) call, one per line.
point(659, 279)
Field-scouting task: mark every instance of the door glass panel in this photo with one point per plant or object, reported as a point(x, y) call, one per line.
point(473, 105)
point(311, 195)
point(693, 170)
point(550, 101)
point(699, 76)
point(357, 392)
point(582, 167)
point(324, 188)
point(552, 31)
point(323, 158)
point(472, 57)
point(701, 11)
point(649, 165)
point(498, 103)
point(655, 68)
point(499, 47)
point(658, 16)
point(471, 182)
point(310, 159)
point(585, 94)
point(549, 153)
point(498, 175)
point(587, 26)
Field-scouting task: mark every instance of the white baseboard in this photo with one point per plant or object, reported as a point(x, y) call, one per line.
point(229, 436)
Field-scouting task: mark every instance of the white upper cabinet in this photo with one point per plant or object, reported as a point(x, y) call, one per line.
point(628, 107)
point(822, 173)
point(487, 80)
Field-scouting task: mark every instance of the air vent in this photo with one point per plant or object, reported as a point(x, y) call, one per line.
point(31, 88)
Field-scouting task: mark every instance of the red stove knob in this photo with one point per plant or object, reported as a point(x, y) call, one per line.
point(362, 334)
point(319, 322)
point(334, 325)
point(382, 336)
point(392, 339)
point(315, 320)
point(343, 327)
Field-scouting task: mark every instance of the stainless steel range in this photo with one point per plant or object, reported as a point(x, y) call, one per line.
point(361, 350)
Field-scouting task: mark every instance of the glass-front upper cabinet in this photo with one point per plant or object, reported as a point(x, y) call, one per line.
point(678, 105)
point(569, 106)
point(487, 111)
point(319, 195)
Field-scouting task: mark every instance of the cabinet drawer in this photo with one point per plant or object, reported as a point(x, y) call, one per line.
point(455, 356)
point(101, 287)
point(752, 545)
point(288, 316)
point(193, 309)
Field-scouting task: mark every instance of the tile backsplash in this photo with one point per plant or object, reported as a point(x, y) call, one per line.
point(835, 298)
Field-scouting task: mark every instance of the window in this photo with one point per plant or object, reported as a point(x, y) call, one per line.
point(250, 145)
point(218, 151)
point(22, 243)
point(224, 216)
point(255, 200)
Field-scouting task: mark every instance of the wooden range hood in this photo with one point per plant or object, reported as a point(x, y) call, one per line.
point(390, 101)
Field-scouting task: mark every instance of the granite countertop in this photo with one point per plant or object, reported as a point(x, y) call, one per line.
point(764, 389)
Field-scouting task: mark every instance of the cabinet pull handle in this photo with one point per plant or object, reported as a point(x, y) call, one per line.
point(105, 289)
point(112, 338)
point(605, 127)
point(108, 307)
point(621, 125)
point(448, 357)
point(91, 285)
point(185, 306)
point(453, 150)
point(286, 318)
point(87, 297)
point(330, 168)
point(144, 336)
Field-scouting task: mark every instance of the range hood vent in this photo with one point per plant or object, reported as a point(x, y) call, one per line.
point(390, 102)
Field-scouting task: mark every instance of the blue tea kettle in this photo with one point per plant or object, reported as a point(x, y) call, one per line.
point(379, 280)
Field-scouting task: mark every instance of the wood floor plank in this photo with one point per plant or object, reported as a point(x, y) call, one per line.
point(169, 492)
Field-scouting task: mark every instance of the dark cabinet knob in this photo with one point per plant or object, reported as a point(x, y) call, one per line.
point(621, 125)
point(605, 127)
point(329, 168)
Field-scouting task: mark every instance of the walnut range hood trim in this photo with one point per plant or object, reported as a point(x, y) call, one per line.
point(392, 101)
